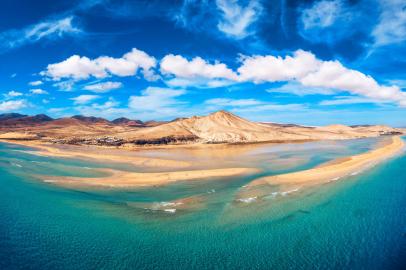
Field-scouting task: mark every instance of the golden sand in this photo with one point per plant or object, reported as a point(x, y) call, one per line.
point(46, 149)
point(327, 172)
point(123, 179)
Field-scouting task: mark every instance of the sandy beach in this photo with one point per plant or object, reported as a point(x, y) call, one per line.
point(123, 179)
point(47, 149)
point(328, 172)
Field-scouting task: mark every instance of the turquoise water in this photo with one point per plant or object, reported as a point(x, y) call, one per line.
point(359, 223)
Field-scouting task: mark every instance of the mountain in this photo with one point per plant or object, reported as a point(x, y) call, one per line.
point(90, 119)
point(218, 127)
point(14, 119)
point(8, 116)
point(225, 127)
point(128, 122)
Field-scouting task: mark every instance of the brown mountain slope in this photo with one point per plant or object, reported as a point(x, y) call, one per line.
point(218, 127)
point(226, 127)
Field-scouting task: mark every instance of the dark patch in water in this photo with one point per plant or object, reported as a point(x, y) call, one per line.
point(326, 203)
point(304, 211)
point(286, 218)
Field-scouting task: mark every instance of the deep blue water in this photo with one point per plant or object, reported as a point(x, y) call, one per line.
point(356, 223)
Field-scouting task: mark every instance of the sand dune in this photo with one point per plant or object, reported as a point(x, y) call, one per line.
point(328, 172)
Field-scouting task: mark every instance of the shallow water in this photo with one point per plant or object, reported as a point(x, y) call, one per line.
point(355, 223)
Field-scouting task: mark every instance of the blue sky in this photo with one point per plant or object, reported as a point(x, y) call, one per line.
point(306, 62)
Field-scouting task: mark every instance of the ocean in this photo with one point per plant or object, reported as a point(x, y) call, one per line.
point(354, 223)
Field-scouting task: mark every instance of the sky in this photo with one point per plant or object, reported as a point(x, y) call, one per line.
point(305, 62)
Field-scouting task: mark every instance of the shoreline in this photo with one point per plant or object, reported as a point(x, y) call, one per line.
point(46, 149)
point(327, 172)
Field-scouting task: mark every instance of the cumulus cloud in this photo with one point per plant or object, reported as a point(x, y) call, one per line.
point(391, 28)
point(38, 91)
point(181, 67)
point(195, 72)
point(236, 19)
point(65, 86)
point(301, 69)
point(275, 68)
point(103, 87)
point(81, 67)
point(12, 94)
point(305, 68)
point(47, 29)
point(332, 74)
point(12, 105)
point(84, 99)
point(35, 83)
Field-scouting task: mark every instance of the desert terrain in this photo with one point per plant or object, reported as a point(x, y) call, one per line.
point(218, 127)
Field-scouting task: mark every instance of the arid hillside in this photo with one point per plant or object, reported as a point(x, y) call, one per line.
point(218, 127)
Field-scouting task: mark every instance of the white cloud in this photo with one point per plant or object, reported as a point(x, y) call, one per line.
point(392, 23)
point(328, 21)
point(84, 99)
point(103, 87)
point(304, 73)
point(38, 91)
point(332, 74)
point(65, 86)
point(306, 69)
point(198, 82)
point(157, 102)
point(196, 68)
point(345, 100)
point(12, 105)
point(13, 94)
point(235, 19)
point(321, 14)
point(35, 83)
point(79, 68)
point(75, 67)
point(275, 68)
point(33, 33)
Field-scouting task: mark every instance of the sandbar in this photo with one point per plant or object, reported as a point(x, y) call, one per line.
point(124, 179)
point(324, 173)
point(47, 149)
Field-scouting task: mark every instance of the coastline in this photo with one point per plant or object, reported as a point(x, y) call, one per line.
point(327, 172)
point(46, 149)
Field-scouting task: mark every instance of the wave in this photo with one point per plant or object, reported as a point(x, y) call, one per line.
point(16, 164)
point(248, 200)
